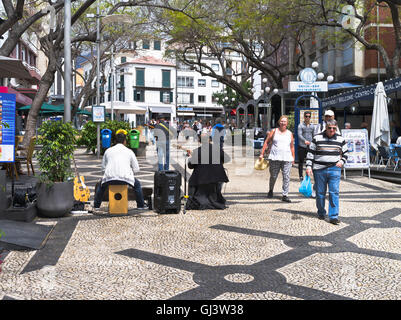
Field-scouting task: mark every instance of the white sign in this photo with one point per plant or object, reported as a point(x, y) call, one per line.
point(299, 86)
point(358, 148)
point(264, 105)
point(98, 114)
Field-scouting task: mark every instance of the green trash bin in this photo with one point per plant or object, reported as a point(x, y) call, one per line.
point(134, 139)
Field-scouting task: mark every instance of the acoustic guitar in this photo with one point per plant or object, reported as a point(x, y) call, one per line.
point(81, 191)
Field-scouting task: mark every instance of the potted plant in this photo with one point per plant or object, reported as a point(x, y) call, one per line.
point(55, 196)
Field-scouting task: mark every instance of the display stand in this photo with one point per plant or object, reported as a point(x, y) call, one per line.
point(358, 150)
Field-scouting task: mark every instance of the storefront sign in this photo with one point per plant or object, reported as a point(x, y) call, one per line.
point(365, 93)
point(299, 86)
point(358, 148)
point(7, 135)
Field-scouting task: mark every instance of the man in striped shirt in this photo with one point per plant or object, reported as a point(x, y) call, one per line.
point(327, 155)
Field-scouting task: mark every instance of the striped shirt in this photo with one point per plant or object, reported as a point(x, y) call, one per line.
point(325, 152)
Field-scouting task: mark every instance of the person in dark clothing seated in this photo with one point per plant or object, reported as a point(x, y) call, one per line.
point(208, 176)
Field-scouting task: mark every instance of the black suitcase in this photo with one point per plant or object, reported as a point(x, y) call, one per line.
point(167, 191)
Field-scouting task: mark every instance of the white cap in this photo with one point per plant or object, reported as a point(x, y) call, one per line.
point(329, 113)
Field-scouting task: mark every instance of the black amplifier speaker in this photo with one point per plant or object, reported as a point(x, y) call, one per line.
point(167, 191)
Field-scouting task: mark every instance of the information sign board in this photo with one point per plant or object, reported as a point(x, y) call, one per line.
point(358, 148)
point(7, 134)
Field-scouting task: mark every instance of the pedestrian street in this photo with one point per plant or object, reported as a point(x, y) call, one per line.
point(258, 248)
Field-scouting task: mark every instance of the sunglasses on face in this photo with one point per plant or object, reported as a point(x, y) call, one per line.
point(306, 116)
point(332, 128)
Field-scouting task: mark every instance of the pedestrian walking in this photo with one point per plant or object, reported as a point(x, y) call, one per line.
point(281, 156)
point(305, 135)
point(326, 156)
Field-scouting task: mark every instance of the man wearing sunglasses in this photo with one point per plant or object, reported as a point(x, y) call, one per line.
point(327, 154)
point(305, 134)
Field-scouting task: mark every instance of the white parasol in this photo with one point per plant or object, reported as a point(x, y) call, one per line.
point(380, 127)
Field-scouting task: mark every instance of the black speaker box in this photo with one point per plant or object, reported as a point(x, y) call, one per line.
point(167, 191)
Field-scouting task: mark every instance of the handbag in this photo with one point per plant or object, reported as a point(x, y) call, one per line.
point(306, 187)
point(261, 164)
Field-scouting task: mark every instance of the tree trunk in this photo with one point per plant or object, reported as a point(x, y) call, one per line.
point(45, 84)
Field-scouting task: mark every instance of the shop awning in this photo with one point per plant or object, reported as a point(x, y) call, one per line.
point(187, 114)
point(122, 107)
point(45, 107)
point(159, 109)
point(363, 93)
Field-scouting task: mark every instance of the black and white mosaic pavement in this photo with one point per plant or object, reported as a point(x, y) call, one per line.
point(258, 248)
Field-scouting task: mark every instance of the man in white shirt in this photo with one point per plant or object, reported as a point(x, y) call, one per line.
point(119, 164)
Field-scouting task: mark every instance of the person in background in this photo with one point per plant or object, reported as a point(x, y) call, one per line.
point(281, 156)
point(327, 154)
point(328, 115)
point(163, 133)
point(305, 135)
point(395, 131)
point(218, 133)
point(347, 125)
point(119, 164)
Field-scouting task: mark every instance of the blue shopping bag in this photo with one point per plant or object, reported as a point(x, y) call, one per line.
point(306, 187)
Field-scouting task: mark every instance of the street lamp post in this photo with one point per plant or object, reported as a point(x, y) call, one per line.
point(67, 61)
point(98, 71)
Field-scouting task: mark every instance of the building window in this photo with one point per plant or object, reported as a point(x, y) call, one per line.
point(348, 53)
point(145, 44)
point(185, 98)
point(157, 45)
point(140, 77)
point(166, 96)
point(139, 95)
point(121, 95)
point(185, 82)
point(166, 78)
point(121, 83)
point(215, 83)
point(215, 67)
point(183, 66)
point(201, 99)
point(201, 82)
point(123, 59)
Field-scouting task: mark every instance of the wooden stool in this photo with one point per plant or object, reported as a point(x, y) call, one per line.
point(118, 199)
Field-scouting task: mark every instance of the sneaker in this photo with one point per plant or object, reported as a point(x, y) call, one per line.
point(320, 217)
point(270, 194)
point(313, 194)
point(143, 208)
point(334, 221)
point(285, 199)
point(301, 178)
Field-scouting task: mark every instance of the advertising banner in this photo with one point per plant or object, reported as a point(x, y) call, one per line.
point(358, 148)
point(7, 134)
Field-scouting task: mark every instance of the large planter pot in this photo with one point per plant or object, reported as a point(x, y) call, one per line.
point(55, 201)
